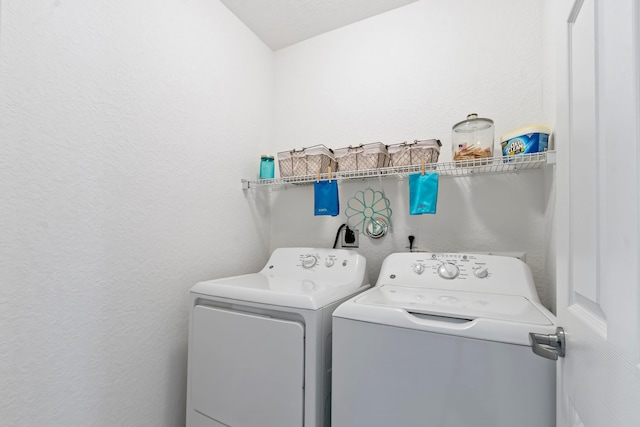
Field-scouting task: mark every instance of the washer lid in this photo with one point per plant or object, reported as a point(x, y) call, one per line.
point(493, 317)
point(281, 291)
point(461, 304)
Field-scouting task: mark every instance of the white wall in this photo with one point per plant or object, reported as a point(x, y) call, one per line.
point(411, 74)
point(125, 128)
point(549, 48)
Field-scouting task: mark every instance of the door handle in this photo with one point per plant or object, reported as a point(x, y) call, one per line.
point(549, 346)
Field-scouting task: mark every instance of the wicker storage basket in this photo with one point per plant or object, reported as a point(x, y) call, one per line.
point(413, 153)
point(361, 157)
point(308, 161)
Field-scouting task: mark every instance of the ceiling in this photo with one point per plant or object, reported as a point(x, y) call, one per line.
point(281, 23)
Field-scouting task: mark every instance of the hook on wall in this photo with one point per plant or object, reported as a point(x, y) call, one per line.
point(376, 227)
point(370, 212)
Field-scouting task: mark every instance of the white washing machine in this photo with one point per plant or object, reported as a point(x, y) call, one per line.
point(260, 344)
point(442, 340)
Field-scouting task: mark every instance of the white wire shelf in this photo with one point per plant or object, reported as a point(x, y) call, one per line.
point(493, 165)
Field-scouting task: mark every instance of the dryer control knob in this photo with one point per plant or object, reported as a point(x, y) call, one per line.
point(309, 261)
point(418, 268)
point(448, 270)
point(329, 262)
point(481, 272)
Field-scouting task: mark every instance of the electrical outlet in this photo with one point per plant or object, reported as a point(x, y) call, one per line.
point(343, 239)
point(412, 245)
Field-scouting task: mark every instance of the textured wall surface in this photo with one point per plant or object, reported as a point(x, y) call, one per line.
point(125, 127)
point(409, 74)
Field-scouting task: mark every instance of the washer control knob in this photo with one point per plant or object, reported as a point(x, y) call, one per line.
point(309, 261)
point(329, 262)
point(448, 270)
point(418, 268)
point(481, 272)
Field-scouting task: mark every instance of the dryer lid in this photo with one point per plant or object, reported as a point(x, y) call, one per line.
point(309, 278)
point(281, 291)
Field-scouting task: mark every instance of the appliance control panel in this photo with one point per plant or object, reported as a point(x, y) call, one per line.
point(311, 261)
point(317, 263)
point(452, 266)
point(460, 271)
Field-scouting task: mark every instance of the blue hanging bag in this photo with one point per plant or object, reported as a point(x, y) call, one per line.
point(325, 197)
point(423, 193)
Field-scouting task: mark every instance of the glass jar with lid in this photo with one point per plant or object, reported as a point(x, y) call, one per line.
point(266, 167)
point(472, 138)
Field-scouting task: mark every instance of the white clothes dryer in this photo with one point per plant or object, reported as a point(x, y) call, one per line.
point(260, 344)
point(442, 340)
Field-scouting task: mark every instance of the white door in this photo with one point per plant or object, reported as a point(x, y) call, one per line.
point(598, 212)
